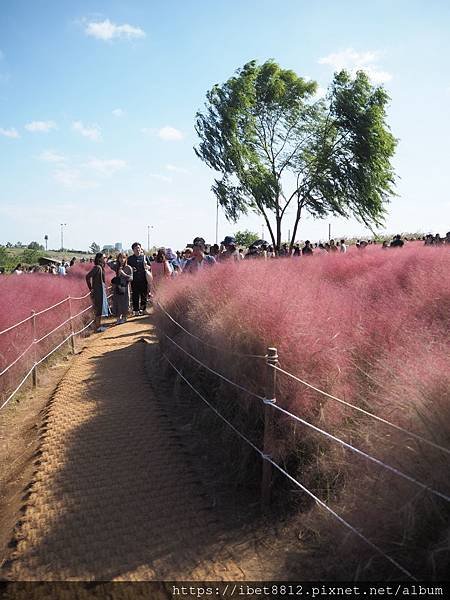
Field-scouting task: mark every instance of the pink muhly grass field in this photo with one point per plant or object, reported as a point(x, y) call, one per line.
point(370, 327)
point(20, 295)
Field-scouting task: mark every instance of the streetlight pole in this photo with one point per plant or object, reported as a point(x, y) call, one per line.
point(262, 231)
point(46, 240)
point(62, 235)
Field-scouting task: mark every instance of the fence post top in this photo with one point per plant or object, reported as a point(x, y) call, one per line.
point(272, 355)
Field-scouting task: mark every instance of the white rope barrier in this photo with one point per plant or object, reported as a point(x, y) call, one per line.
point(341, 520)
point(16, 325)
point(361, 453)
point(80, 297)
point(84, 328)
point(204, 341)
point(53, 330)
point(240, 387)
point(42, 360)
point(42, 312)
point(361, 410)
point(6, 369)
point(17, 388)
point(306, 490)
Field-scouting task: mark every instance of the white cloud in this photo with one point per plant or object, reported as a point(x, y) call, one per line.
point(118, 112)
point(170, 134)
point(10, 133)
point(354, 61)
point(106, 167)
point(72, 179)
point(40, 126)
point(92, 132)
point(175, 169)
point(51, 157)
point(160, 177)
point(105, 30)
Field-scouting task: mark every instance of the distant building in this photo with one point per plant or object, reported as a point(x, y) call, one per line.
point(118, 246)
point(108, 248)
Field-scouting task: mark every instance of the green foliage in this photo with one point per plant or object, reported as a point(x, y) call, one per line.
point(30, 256)
point(276, 147)
point(245, 238)
point(94, 248)
point(7, 259)
point(35, 246)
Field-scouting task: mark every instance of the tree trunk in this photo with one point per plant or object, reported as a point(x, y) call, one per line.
point(297, 221)
point(278, 246)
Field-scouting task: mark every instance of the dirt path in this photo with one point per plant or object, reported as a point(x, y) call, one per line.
point(113, 497)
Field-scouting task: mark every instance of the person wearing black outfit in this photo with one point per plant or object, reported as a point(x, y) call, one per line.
point(397, 242)
point(307, 250)
point(139, 285)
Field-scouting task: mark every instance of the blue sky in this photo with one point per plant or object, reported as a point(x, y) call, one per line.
point(98, 100)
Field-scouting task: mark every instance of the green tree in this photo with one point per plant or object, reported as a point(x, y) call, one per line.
point(94, 248)
point(279, 149)
point(35, 246)
point(30, 256)
point(245, 238)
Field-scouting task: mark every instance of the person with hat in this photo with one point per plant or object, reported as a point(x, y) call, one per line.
point(199, 260)
point(231, 252)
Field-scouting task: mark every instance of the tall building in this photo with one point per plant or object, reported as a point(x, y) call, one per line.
point(118, 246)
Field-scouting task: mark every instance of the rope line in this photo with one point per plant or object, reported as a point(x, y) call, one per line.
point(84, 328)
point(80, 297)
point(368, 456)
point(17, 359)
point(16, 325)
point(53, 330)
point(342, 520)
point(43, 311)
point(17, 388)
point(306, 490)
point(361, 410)
point(240, 387)
point(202, 340)
point(42, 359)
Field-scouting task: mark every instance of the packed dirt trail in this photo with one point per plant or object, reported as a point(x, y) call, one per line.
point(112, 497)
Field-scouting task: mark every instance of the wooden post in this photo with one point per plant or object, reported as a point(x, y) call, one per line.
point(266, 481)
point(34, 373)
point(72, 337)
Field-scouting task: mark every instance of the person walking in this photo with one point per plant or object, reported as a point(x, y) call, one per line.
point(121, 287)
point(95, 280)
point(199, 260)
point(231, 252)
point(161, 269)
point(142, 275)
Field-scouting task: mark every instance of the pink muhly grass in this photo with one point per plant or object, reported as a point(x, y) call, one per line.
point(370, 327)
point(20, 295)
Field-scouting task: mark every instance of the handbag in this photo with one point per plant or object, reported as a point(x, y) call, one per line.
point(115, 280)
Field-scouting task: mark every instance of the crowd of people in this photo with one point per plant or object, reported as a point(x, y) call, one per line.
point(137, 276)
